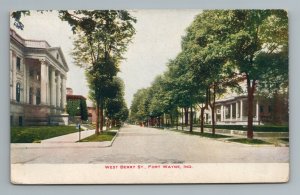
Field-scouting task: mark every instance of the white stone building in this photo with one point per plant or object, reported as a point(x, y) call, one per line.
point(37, 82)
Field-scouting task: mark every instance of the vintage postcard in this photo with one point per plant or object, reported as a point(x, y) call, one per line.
point(149, 96)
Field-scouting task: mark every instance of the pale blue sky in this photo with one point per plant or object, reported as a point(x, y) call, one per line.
point(157, 39)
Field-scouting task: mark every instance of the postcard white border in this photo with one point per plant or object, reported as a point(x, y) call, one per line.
point(199, 173)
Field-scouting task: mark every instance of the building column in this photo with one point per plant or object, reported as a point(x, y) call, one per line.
point(230, 112)
point(241, 110)
point(257, 111)
point(58, 90)
point(222, 113)
point(27, 75)
point(63, 96)
point(25, 78)
point(44, 82)
point(236, 110)
point(53, 88)
point(14, 75)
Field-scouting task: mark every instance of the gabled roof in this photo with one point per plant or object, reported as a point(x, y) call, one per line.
point(41, 45)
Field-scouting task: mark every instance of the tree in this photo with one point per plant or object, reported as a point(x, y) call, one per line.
point(234, 44)
point(252, 34)
point(116, 109)
point(139, 106)
point(102, 38)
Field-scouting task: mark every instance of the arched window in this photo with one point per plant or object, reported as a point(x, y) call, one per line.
point(18, 92)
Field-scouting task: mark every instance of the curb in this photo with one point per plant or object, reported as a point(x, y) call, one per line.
point(113, 139)
point(227, 141)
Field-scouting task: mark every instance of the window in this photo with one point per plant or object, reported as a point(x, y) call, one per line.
point(31, 73)
point(18, 63)
point(261, 108)
point(38, 96)
point(30, 95)
point(18, 92)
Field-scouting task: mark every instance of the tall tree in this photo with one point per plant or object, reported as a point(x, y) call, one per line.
point(102, 38)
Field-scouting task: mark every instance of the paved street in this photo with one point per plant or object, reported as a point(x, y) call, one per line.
point(148, 145)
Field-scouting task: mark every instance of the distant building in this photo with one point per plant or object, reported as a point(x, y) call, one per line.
point(76, 106)
point(37, 82)
point(232, 109)
point(69, 91)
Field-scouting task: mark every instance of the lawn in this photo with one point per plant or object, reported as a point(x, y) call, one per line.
point(38, 133)
point(202, 134)
point(248, 141)
point(105, 136)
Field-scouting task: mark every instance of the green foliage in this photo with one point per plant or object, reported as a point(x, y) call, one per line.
point(83, 110)
point(116, 108)
point(105, 136)
point(139, 106)
point(38, 133)
point(77, 107)
point(73, 107)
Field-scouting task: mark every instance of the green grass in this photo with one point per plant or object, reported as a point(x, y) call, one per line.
point(202, 134)
point(37, 133)
point(256, 128)
point(285, 139)
point(114, 128)
point(105, 136)
point(248, 141)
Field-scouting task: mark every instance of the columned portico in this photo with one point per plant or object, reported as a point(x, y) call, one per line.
point(235, 111)
point(37, 82)
point(241, 110)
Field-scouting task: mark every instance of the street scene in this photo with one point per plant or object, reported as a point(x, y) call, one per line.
point(161, 87)
point(149, 145)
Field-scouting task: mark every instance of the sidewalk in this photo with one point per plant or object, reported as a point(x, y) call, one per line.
point(69, 138)
point(66, 141)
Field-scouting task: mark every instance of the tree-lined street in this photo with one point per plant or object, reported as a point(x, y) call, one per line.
point(149, 145)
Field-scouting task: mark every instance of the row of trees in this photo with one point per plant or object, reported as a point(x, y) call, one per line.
point(101, 38)
point(221, 49)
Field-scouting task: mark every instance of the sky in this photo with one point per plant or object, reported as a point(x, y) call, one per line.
point(157, 40)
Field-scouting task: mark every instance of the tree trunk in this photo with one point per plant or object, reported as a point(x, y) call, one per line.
point(202, 119)
point(186, 115)
point(181, 118)
point(101, 119)
point(203, 110)
point(97, 119)
point(191, 119)
point(177, 120)
point(250, 90)
point(212, 106)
